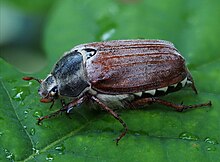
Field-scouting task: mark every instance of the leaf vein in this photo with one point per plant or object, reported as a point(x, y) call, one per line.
point(13, 107)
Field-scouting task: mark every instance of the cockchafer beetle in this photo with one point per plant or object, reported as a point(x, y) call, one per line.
point(135, 71)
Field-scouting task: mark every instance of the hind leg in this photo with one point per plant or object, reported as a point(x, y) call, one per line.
point(178, 107)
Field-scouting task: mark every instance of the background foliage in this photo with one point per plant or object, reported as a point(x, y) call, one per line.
point(156, 133)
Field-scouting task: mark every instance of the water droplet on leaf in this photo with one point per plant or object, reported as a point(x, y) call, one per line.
point(188, 136)
point(10, 156)
point(85, 148)
point(60, 148)
point(32, 131)
point(211, 140)
point(49, 157)
point(26, 112)
point(211, 148)
point(37, 114)
point(21, 93)
point(36, 151)
point(137, 134)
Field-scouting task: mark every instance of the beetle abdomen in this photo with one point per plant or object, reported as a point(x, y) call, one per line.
point(132, 66)
point(120, 100)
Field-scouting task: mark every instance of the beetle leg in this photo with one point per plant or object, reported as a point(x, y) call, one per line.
point(63, 102)
point(115, 115)
point(194, 88)
point(76, 102)
point(66, 107)
point(53, 101)
point(189, 77)
point(193, 85)
point(178, 107)
point(49, 116)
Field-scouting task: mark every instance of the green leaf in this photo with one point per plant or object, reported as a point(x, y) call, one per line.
point(156, 133)
point(39, 6)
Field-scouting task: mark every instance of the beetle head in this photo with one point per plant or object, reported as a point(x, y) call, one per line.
point(48, 88)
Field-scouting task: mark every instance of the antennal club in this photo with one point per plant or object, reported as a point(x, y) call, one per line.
point(32, 78)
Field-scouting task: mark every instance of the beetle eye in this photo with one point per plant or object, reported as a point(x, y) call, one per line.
point(53, 91)
point(45, 94)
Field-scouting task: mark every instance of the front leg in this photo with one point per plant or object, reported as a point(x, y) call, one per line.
point(65, 108)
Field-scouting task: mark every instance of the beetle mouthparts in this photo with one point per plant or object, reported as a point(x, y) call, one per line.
point(32, 78)
point(45, 100)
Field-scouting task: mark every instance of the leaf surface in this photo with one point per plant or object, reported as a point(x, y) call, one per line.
point(156, 133)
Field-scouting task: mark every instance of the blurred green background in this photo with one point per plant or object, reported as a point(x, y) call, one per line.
point(35, 34)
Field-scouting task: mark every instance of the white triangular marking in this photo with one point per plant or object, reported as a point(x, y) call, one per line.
point(163, 89)
point(138, 94)
point(152, 92)
point(183, 82)
point(174, 85)
point(188, 82)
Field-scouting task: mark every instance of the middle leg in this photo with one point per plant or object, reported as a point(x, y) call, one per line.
point(115, 115)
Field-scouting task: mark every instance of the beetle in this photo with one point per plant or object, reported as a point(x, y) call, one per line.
point(135, 71)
